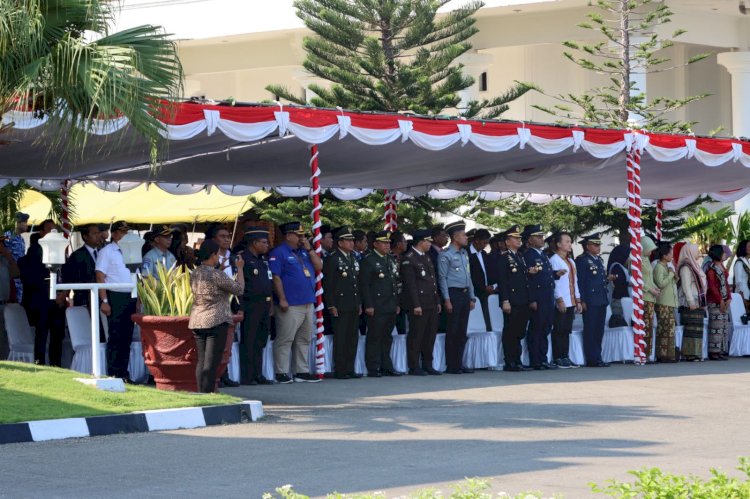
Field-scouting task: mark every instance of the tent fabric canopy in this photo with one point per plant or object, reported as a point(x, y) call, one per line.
point(267, 146)
point(139, 205)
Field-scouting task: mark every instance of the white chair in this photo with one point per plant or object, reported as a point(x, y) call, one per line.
point(740, 344)
point(438, 353)
point(137, 364)
point(481, 345)
point(359, 361)
point(20, 334)
point(476, 320)
point(268, 370)
point(497, 321)
point(398, 352)
point(233, 369)
point(79, 325)
point(575, 348)
point(617, 344)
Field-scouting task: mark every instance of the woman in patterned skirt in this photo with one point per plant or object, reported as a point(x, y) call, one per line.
point(650, 294)
point(718, 298)
point(692, 300)
point(665, 279)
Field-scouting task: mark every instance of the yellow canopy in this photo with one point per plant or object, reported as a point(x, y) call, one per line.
point(141, 205)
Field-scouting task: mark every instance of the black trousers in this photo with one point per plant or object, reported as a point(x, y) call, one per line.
point(49, 322)
point(378, 342)
point(593, 332)
point(483, 299)
point(209, 345)
point(120, 333)
point(256, 327)
point(540, 324)
point(455, 333)
point(561, 330)
point(345, 339)
point(421, 339)
point(401, 322)
point(514, 330)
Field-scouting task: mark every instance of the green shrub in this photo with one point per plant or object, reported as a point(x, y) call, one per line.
point(656, 484)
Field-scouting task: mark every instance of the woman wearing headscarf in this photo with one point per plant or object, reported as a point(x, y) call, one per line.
point(692, 300)
point(741, 272)
point(718, 297)
point(650, 293)
point(665, 279)
point(617, 266)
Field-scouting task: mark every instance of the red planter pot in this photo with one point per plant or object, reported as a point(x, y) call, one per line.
point(169, 351)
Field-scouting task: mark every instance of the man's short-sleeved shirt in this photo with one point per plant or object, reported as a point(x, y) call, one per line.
point(155, 256)
point(290, 265)
point(111, 263)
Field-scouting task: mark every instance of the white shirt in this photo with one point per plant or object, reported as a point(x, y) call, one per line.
point(740, 277)
point(225, 260)
point(92, 251)
point(562, 285)
point(109, 262)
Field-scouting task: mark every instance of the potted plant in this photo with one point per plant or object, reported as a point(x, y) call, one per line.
point(168, 344)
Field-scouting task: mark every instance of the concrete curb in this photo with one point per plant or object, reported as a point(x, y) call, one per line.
point(136, 422)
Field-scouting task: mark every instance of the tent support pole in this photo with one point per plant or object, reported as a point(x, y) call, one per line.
point(634, 216)
point(390, 215)
point(317, 237)
point(659, 219)
point(64, 200)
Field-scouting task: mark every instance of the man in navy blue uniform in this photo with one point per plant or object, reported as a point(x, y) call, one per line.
point(592, 285)
point(541, 297)
point(514, 299)
point(256, 305)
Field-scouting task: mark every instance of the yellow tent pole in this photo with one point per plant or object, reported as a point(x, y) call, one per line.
point(237, 218)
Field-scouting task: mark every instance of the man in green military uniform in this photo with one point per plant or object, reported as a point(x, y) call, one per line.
point(341, 293)
point(380, 287)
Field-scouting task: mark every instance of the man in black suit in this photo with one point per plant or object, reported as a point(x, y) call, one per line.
point(479, 268)
point(80, 266)
point(492, 259)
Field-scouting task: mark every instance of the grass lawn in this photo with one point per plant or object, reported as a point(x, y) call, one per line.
point(29, 392)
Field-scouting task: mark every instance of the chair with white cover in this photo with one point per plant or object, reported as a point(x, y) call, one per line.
point(20, 334)
point(398, 351)
point(327, 357)
point(617, 344)
point(575, 348)
point(740, 344)
point(481, 345)
point(79, 325)
point(137, 364)
point(233, 368)
point(360, 367)
point(268, 370)
point(438, 353)
point(497, 321)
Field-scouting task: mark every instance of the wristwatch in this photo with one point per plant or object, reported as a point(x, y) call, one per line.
point(105, 300)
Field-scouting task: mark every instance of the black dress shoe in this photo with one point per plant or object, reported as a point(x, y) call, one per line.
point(355, 375)
point(227, 383)
point(417, 372)
point(433, 372)
point(341, 376)
point(466, 370)
point(514, 368)
point(374, 374)
point(454, 371)
point(388, 372)
point(547, 365)
point(252, 382)
point(597, 364)
point(537, 367)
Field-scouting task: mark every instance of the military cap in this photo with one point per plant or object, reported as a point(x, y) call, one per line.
point(532, 230)
point(343, 234)
point(325, 229)
point(253, 233)
point(595, 238)
point(471, 233)
point(514, 231)
point(292, 227)
point(120, 225)
point(454, 227)
point(164, 232)
point(22, 217)
point(421, 235)
point(482, 234)
point(384, 236)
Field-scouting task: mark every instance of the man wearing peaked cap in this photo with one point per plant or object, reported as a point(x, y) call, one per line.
point(592, 285)
point(541, 287)
point(342, 299)
point(159, 253)
point(459, 299)
point(420, 299)
point(514, 299)
point(118, 306)
point(327, 240)
point(497, 250)
point(256, 305)
point(480, 277)
point(380, 286)
point(293, 264)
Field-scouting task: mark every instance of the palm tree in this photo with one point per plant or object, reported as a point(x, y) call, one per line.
point(59, 59)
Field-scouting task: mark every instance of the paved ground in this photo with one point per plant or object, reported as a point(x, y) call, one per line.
point(549, 431)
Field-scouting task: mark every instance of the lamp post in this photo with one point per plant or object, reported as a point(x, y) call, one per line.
point(53, 255)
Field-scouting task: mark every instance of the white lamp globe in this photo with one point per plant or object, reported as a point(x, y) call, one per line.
point(131, 245)
point(53, 248)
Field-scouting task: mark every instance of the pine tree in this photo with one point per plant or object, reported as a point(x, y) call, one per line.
point(395, 55)
point(629, 45)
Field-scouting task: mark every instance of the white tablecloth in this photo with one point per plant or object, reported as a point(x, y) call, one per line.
point(398, 352)
point(740, 342)
point(480, 351)
point(618, 345)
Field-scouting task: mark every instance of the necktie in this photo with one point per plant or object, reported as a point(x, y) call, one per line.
point(96, 252)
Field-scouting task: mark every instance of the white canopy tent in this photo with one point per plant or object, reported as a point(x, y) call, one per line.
point(240, 149)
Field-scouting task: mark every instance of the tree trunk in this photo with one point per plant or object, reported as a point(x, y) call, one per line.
point(624, 100)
